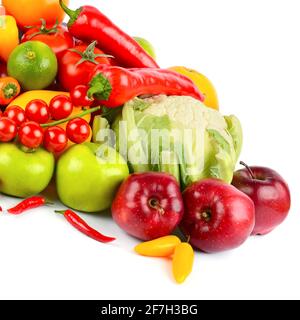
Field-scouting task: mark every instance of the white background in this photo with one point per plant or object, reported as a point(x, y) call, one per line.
point(251, 51)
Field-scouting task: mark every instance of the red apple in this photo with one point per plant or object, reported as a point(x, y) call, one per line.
point(218, 217)
point(148, 205)
point(270, 194)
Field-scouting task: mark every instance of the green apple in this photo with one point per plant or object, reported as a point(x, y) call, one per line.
point(24, 174)
point(146, 45)
point(88, 176)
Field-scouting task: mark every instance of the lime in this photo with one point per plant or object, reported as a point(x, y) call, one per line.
point(146, 45)
point(33, 64)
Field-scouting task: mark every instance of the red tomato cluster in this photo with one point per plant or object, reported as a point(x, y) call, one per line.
point(33, 128)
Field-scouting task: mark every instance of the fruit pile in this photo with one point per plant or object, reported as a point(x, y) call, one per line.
point(80, 106)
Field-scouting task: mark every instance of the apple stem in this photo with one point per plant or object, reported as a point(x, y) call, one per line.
point(249, 169)
point(80, 115)
point(155, 205)
point(206, 216)
point(27, 150)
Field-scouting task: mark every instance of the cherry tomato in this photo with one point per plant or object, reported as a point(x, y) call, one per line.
point(78, 130)
point(79, 96)
point(15, 113)
point(8, 129)
point(76, 64)
point(37, 111)
point(60, 107)
point(55, 36)
point(31, 134)
point(55, 139)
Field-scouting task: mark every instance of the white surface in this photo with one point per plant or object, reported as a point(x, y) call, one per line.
point(250, 50)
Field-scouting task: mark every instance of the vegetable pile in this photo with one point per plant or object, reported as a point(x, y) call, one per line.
point(86, 107)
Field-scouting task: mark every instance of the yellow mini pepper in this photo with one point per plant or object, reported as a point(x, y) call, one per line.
point(162, 247)
point(9, 36)
point(183, 261)
point(182, 254)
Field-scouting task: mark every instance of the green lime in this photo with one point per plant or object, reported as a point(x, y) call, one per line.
point(33, 64)
point(146, 45)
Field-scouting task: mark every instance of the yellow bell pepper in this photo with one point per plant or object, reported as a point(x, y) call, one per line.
point(183, 261)
point(46, 95)
point(162, 247)
point(9, 35)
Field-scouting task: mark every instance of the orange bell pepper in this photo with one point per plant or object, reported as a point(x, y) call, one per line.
point(183, 261)
point(162, 247)
point(29, 12)
point(9, 35)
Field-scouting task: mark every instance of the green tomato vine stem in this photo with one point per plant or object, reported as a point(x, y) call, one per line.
point(80, 115)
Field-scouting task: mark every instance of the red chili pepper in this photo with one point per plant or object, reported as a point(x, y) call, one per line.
point(83, 227)
point(114, 86)
point(88, 24)
point(30, 203)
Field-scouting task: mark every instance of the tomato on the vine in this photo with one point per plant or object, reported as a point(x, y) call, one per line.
point(8, 129)
point(55, 139)
point(55, 36)
point(60, 107)
point(15, 113)
point(75, 65)
point(78, 130)
point(31, 134)
point(79, 96)
point(37, 111)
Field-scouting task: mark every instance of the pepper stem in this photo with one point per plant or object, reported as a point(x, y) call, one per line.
point(248, 169)
point(80, 115)
point(10, 90)
point(100, 88)
point(73, 14)
point(62, 212)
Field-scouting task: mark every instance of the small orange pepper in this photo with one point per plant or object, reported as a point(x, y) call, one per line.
point(162, 247)
point(9, 90)
point(183, 261)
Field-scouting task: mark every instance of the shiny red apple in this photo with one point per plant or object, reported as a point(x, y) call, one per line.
point(270, 194)
point(148, 205)
point(218, 217)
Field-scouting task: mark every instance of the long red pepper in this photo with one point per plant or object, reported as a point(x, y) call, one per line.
point(28, 204)
point(83, 227)
point(114, 86)
point(89, 24)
